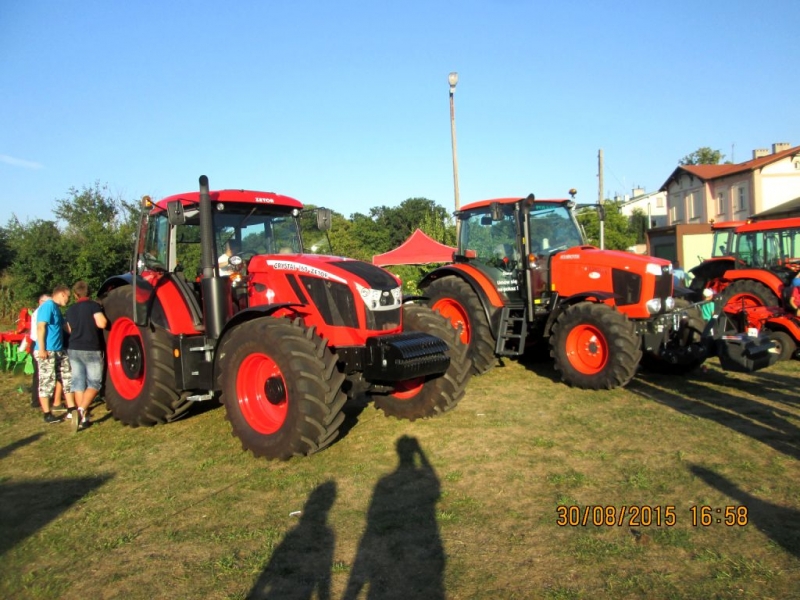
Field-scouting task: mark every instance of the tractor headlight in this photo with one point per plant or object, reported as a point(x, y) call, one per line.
point(655, 269)
point(669, 303)
point(380, 299)
point(654, 306)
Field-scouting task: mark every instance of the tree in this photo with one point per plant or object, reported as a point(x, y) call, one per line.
point(702, 156)
point(616, 227)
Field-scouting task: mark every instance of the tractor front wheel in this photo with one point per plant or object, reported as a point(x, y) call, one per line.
point(595, 346)
point(427, 397)
point(785, 346)
point(281, 388)
point(140, 373)
point(457, 302)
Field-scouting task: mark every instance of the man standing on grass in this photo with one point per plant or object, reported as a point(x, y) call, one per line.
point(85, 323)
point(35, 377)
point(49, 350)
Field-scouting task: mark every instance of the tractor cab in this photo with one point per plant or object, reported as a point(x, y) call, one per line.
point(508, 237)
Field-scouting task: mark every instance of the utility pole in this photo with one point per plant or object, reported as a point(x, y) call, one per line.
point(600, 199)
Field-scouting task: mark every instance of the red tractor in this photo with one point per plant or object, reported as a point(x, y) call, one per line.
point(523, 276)
point(284, 338)
point(764, 258)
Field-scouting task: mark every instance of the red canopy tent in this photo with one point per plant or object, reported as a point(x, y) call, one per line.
point(418, 249)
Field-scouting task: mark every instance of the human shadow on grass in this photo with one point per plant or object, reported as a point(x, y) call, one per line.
point(400, 554)
point(27, 506)
point(780, 524)
point(300, 567)
point(10, 448)
point(749, 417)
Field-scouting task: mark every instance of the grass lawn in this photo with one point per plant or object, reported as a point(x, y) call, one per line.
point(462, 506)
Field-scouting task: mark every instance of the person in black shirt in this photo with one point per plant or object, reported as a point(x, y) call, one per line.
point(85, 322)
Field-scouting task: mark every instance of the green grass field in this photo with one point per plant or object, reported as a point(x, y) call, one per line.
point(462, 506)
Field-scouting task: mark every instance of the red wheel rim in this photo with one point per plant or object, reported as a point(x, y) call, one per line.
point(587, 349)
point(261, 393)
point(409, 389)
point(455, 313)
point(119, 351)
point(739, 301)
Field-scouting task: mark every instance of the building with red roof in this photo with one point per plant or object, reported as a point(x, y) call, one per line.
point(711, 193)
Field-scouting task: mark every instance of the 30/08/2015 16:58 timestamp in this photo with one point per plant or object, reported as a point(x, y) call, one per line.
point(645, 516)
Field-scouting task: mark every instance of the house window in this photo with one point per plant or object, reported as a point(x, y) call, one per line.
point(695, 205)
point(721, 204)
point(660, 202)
point(676, 210)
point(741, 205)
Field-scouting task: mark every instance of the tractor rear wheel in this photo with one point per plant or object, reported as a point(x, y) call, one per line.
point(746, 293)
point(595, 346)
point(456, 301)
point(428, 397)
point(140, 373)
point(281, 388)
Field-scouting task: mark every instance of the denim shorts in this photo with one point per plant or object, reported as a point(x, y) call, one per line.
point(87, 369)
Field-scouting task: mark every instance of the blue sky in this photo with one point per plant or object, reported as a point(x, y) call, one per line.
point(345, 104)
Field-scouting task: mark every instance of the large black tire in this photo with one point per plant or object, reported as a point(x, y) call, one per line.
point(746, 293)
point(281, 388)
point(458, 303)
point(686, 345)
point(434, 395)
point(595, 346)
point(140, 373)
point(785, 346)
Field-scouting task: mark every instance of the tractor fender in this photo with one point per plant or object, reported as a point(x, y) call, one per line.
point(561, 303)
point(772, 281)
point(116, 281)
point(243, 316)
point(484, 288)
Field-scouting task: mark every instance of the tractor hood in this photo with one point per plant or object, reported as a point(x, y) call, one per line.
point(632, 279)
point(333, 268)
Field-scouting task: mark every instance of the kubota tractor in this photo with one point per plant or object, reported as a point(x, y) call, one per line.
point(283, 339)
point(765, 257)
point(523, 275)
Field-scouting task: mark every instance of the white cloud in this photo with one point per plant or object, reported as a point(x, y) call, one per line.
point(18, 162)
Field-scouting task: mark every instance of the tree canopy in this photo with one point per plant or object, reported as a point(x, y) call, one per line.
point(702, 156)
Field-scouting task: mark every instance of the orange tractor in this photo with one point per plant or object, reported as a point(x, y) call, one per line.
point(523, 278)
point(764, 258)
point(283, 338)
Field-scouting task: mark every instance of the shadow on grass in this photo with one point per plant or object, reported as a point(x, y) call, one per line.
point(400, 554)
point(747, 416)
point(300, 567)
point(6, 450)
point(27, 506)
point(780, 524)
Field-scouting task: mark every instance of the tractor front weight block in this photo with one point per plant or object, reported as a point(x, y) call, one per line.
point(404, 356)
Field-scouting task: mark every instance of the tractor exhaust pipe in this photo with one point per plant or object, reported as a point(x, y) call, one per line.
point(216, 289)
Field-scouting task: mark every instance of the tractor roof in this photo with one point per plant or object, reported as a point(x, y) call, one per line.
point(770, 225)
point(233, 197)
point(486, 203)
point(727, 224)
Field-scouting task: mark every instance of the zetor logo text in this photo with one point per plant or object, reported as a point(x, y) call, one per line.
point(263, 200)
point(283, 265)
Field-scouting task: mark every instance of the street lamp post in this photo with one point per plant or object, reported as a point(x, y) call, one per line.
point(453, 79)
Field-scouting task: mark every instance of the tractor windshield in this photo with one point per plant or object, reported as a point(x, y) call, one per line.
point(723, 243)
point(552, 228)
point(768, 249)
point(242, 229)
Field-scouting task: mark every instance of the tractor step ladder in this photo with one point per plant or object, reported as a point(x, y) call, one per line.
point(512, 331)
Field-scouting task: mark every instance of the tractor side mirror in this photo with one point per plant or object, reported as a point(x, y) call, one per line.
point(175, 213)
point(497, 211)
point(324, 219)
